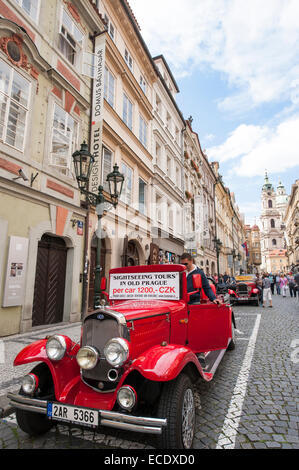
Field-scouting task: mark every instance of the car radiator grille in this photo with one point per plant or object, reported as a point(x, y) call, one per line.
point(97, 333)
point(242, 289)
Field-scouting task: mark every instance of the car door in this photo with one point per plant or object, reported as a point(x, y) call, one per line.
point(209, 327)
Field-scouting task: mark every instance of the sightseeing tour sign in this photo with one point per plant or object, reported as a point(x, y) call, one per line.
point(145, 286)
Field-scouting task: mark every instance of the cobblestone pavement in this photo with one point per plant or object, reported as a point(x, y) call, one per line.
point(251, 403)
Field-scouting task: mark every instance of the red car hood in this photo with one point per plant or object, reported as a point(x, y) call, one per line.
point(134, 309)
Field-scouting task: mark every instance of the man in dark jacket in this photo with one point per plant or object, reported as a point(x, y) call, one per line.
point(187, 260)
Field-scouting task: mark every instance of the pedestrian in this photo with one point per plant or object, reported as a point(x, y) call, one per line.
point(225, 278)
point(272, 280)
point(283, 284)
point(259, 285)
point(267, 291)
point(277, 282)
point(191, 268)
point(292, 285)
point(296, 277)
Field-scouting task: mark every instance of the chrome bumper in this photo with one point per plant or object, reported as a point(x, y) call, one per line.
point(107, 418)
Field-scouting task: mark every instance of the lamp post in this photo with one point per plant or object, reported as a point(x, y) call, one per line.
point(218, 245)
point(83, 161)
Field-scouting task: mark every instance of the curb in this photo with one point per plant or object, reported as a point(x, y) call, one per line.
point(5, 408)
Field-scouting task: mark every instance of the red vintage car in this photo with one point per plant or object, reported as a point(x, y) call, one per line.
point(245, 290)
point(135, 368)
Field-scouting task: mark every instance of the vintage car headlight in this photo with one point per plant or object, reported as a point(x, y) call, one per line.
point(87, 357)
point(29, 383)
point(116, 351)
point(56, 347)
point(126, 397)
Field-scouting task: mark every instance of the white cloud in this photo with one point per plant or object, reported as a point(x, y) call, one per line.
point(255, 44)
point(257, 148)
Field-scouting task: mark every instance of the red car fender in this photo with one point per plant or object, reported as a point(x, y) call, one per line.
point(63, 372)
point(165, 363)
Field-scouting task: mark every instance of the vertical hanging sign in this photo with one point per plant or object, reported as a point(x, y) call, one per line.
point(97, 110)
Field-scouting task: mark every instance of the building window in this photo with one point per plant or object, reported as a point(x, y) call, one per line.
point(159, 208)
point(143, 84)
point(64, 140)
point(31, 7)
point(168, 122)
point(158, 105)
point(110, 28)
point(127, 112)
point(272, 222)
point(142, 196)
point(126, 195)
point(142, 131)
point(14, 105)
point(128, 60)
point(274, 242)
point(270, 204)
point(106, 167)
point(70, 39)
point(169, 172)
point(109, 87)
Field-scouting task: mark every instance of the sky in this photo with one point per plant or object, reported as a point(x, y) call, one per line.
point(236, 63)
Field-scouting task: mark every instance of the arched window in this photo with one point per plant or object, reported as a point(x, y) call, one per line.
point(274, 243)
point(270, 203)
point(272, 223)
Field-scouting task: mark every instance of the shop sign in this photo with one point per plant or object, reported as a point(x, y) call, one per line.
point(146, 286)
point(79, 227)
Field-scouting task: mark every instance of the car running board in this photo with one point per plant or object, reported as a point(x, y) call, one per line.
point(209, 361)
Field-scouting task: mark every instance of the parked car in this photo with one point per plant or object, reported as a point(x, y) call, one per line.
point(139, 357)
point(245, 290)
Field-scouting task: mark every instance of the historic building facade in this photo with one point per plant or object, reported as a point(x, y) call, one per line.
point(44, 116)
point(199, 214)
point(273, 243)
point(291, 221)
point(253, 239)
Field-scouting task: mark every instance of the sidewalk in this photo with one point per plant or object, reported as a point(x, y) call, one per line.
point(10, 376)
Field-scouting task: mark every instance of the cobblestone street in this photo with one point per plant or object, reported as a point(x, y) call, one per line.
point(252, 402)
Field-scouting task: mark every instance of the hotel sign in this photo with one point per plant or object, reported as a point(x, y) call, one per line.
point(97, 110)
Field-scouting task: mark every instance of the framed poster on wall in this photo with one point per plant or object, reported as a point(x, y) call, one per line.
point(14, 288)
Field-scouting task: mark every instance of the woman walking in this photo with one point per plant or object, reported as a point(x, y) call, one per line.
point(267, 291)
point(283, 284)
point(292, 285)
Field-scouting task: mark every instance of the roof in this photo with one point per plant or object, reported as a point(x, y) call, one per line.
point(161, 56)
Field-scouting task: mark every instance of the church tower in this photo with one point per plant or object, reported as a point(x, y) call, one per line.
point(272, 234)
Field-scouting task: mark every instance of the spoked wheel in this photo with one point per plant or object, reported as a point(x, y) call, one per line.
point(36, 424)
point(177, 405)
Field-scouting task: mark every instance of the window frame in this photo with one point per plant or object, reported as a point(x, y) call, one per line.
point(9, 99)
point(108, 75)
point(74, 144)
point(144, 203)
point(35, 20)
point(79, 48)
point(143, 131)
point(105, 184)
point(125, 170)
point(129, 105)
point(127, 61)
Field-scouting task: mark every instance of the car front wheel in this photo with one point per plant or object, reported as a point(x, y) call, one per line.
point(36, 424)
point(177, 405)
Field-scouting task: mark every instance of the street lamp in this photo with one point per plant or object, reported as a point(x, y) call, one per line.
point(83, 161)
point(218, 245)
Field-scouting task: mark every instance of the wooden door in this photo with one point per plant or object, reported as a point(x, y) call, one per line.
point(48, 301)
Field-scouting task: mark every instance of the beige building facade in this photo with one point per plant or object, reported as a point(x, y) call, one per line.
point(291, 221)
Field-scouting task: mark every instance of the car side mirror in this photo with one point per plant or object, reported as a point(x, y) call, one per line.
point(103, 283)
point(197, 282)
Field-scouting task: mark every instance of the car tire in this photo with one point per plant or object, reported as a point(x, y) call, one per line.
point(177, 405)
point(32, 423)
point(232, 343)
point(257, 302)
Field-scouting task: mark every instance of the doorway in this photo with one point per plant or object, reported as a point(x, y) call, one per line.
point(49, 288)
